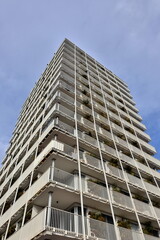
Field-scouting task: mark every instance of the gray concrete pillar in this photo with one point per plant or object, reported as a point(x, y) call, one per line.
point(52, 169)
point(49, 210)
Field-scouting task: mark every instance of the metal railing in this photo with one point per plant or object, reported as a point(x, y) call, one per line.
point(71, 223)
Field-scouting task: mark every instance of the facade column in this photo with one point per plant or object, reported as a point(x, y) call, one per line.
point(52, 169)
point(49, 210)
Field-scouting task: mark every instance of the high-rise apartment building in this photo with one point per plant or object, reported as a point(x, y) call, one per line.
point(79, 165)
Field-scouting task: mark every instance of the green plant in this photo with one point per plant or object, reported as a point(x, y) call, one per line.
point(85, 76)
point(116, 188)
point(114, 162)
point(90, 133)
point(97, 215)
point(88, 116)
point(94, 180)
point(84, 92)
point(156, 204)
point(149, 180)
point(138, 197)
point(124, 223)
point(140, 160)
point(148, 229)
point(91, 154)
point(86, 102)
point(135, 143)
point(103, 114)
point(129, 170)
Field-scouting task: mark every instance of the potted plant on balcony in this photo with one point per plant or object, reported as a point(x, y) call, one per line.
point(94, 180)
point(148, 229)
point(11, 230)
point(124, 223)
point(156, 204)
point(114, 162)
point(85, 76)
point(97, 216)
point(103, 114)
point(149, 180)
point(86, 102)
point(89, 133)
point(84, 92)
point(129, 170)
point(88, 116)
point(116, 188)
point(138, 197)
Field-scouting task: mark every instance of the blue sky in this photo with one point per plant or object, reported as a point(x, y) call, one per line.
point(123, 35)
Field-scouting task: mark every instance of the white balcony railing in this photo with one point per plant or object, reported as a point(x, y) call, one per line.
point(60, 222)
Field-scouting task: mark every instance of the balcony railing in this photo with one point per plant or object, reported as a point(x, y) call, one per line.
point(93, 161)
point(157, 211)
point(148, 237)
point(64, 223)
point(134, 180)
point(62, 177)
point(127, 234)
point(108, 149)
point(121, 199)
point(114, 171)
point(152, 188)
point(96, 190)
point(143, 208)
point(69, 225)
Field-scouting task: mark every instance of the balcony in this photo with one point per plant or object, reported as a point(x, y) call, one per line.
point(115, 171)
point(152, 188)
point(127, 159)
point(55, 222)
point(143, 208)
point(121, 199)
point(128, 234)
point(97, 190)
point(93, 161)
point(67, 225)
point(88, 139)
point(108, 149)
point(134, 180)
point(57, 175)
